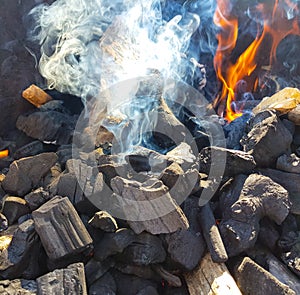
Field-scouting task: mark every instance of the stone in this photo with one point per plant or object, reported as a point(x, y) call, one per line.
point(26, 173)
point(60, 228)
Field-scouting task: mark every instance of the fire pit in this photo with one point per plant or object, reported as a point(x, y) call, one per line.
point(149, 147)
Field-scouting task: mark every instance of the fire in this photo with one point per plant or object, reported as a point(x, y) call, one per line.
point(275, 24)
point(4, 154)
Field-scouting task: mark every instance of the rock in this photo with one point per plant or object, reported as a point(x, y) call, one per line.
point(237, 162)
point(248, 274)
point(259, 197)
point(267, 140)
point(20, 287)
point(150, 216)
point(25, 174)
point(105, 285)
point(51, 126)
point(70, 280)
point(60, 228)
point(104, 221)
point(289, 163)
point(13, 208)
point(146, 249)
point(37, 198)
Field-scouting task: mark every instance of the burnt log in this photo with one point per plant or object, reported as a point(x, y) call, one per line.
point(267, 140)
point(259, 197)
point(60, 228)
point(148, 206)
point(248, 274)
point(25, 174)
point(70, 280)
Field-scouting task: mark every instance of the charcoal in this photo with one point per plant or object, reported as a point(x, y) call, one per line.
point(26, 173)
point(290, 182)
point(149, 290)
point(66, 281)
point(104, 285)
point(113, 243)
point(176, 291)
point(20, 287)
point(288, 163)
point(212, 235)
point(146, 249)
point(64, 154)
point(290, 126)
point(192, 210)
point(50, 126)
point(294, 115)
point(94, 270)
point(104, 221)
point(13, 208)
point(248, 274)
point(170, 278)
point(31, 149)
point(3, 222)
point(296, 137)
point(61, 230)
point(267, 140)
point(292, 260)
point(237, 162)
point(268, 234)
point(166, 218)
point(16, 258)
point(259, 197)
point(141, 271)
point(37, 198)
point(185, 248)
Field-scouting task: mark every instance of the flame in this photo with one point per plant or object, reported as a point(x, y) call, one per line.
point(275, 24)
point(4, 154)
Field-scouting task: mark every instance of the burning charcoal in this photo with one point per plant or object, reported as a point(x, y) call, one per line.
point(129, 284)
point(3, 223)
point(26, 173)
point(95, 269)
point(13, 208)
point(237, 162)
point(22, 287)
point(185, 248)
point(105, 285)
point(259, 197)
point(104, 221)
point(61, 230)
point(165, 219)
point(290, 182)
point(183, 155)
point(143, 159)
point(248, 274)
point(48, 126)
point(289, 163)
point(172, 280)
point(146, 249)
point(211, 278)
point(15, 259)
point(37, 198)
point(267, 141)
point(212, 235)
point(113, 243)
point(70, 280)
point(294, 115)
point(30, 149)
point(36, 95)
point(279, 270)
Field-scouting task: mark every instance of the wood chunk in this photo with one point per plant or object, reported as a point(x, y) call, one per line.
point(13, 208)
point(36, 95)
point(104, 221)
point(60, 228)
point(25, 174)
point(70, 280)
point(18, 287)
point(253, 279)
point(211, 278)
point(212, 235)
point(237, 162)
point(259, 197)
point(148, 206)
point(267, 141)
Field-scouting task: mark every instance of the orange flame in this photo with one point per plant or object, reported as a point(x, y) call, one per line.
point(275, 24)
point(4, 154)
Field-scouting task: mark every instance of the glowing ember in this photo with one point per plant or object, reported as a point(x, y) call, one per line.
point(275, 24)
point(4, 154)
